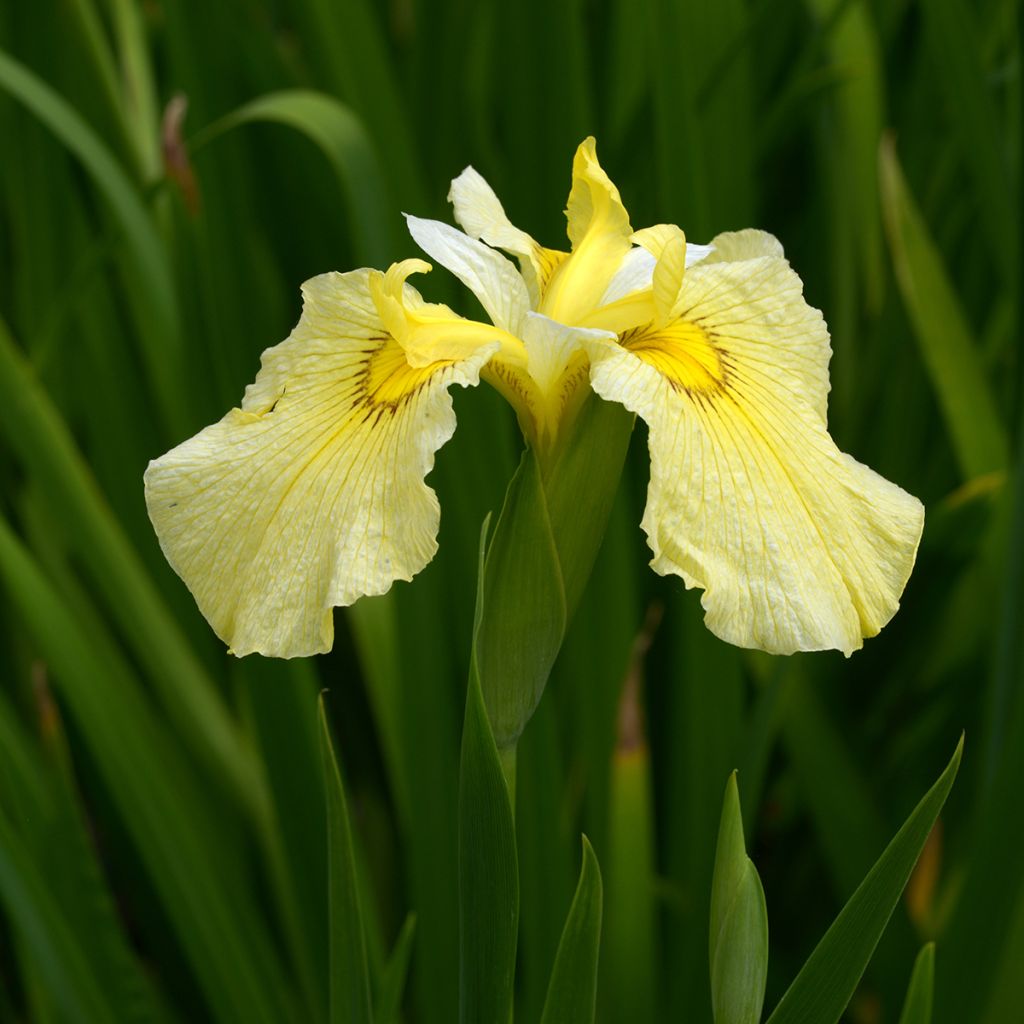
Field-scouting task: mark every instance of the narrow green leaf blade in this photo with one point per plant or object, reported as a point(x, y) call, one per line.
point(943, 334)
point(341, 136)
point(39, 436)
point(171, 820)
point(392, 984)
point(488, 873)
point(822, 989)
point(572, 991)
point(349, 970)
point(160, 329)
point(56, 950)
point(739, 923)
point(918, 1007)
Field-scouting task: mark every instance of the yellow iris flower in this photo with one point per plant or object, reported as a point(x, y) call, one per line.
point(312, 494)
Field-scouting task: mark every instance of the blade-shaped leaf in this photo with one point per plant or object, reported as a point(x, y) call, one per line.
point(572, 991)
point(739, 923)
point(348, 968)
point(56, 949)
point(488, 864)
point(157, 309)
point(170, 818)
point(822, 989)
point(392, 984)
point(39, 436)
point(918, 1007)
point(949, 351)
point(521, 615)
point(340, 135)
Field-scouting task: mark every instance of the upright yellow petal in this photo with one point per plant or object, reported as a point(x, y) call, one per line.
point(312, 494)
point(598, 227)
point(796, 545)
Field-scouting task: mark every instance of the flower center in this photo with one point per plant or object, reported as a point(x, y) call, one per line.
point(682, 352)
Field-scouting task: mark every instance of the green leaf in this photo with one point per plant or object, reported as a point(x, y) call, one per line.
point(588, 462)
point(953, 35)
point(918, 1007)
point(349, 972)
point(822, 989)
point(56, 949)
point(40, 797)
point(629, 981)
point(188, 853)
point(572, 992)
point(155, 307)
point(739, 923)
point(39, 436)
point(488, 873)
point(521, 611)
point(947, 343)
point(392, 984)
point(341, 136)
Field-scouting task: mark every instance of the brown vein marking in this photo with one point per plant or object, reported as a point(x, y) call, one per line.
point(688, 356)
point(547, 261)
point(388, 382)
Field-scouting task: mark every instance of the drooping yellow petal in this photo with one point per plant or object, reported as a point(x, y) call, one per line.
point(796, 545)
point(429, 332)
point(599, 230)
point(312, 494)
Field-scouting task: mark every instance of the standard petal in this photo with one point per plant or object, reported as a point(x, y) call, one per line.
point(599, 229)
point(797, 546)
point(485, 272)
point(482, 216)
point(312, 494)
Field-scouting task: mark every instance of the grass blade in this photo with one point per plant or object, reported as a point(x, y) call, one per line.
point(349, 971)
point(155, 305)
point(739, 923)
point(340, 135)
point(392, 984)
point(39, 436)
point(190, 860)
point(572, 992)
point(918, 1007)
point(944, 337)
point(488, 873)
point(822, 989)
point(55, 948)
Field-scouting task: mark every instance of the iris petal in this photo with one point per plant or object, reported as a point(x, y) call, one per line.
point(312, 494)
point(796, 545)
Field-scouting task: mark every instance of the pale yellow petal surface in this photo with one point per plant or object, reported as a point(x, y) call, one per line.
point(745, 290)
point(481, 215)
point(312, 494)
point(796, 545)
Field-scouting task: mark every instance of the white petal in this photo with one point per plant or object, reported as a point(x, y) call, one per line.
point(486, 273)
point(482, 216)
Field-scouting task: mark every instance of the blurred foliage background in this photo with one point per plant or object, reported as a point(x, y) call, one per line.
point(170, 173)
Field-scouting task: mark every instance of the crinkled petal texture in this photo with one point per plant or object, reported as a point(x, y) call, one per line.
point(312, 494)
point(796, 545)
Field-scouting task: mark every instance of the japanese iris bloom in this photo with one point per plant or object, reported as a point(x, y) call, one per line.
point(312, 494)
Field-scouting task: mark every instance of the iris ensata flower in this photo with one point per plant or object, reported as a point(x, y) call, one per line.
point(312, 494)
